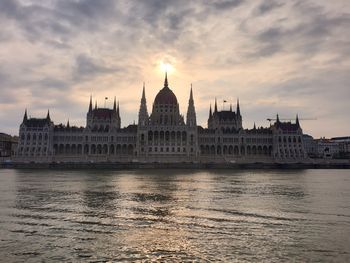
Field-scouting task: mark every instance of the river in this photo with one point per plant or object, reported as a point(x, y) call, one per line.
point(174, 215)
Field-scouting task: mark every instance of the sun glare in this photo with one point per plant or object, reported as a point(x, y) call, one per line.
point(166, 67)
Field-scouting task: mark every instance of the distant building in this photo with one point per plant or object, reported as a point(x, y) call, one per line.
point(161, 136)
point(8, 145)
point(310, 145)
point(327, 148)
point(344, 146)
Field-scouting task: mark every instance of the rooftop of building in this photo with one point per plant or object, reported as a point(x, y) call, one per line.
point(165, 95)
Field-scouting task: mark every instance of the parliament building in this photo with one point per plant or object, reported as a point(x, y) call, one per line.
point(163, 136)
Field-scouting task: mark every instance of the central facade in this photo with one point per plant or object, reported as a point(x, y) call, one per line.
point(162, 136)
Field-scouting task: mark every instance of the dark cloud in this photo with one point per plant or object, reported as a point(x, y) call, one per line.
point(52, 83)
point(87, 67)
point(267, 6)
point(318, 32)
point(226, 4)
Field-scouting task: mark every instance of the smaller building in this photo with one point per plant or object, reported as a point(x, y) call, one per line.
point(327, 148)
point(344, 146)
point(8, 145)
point(310, 145)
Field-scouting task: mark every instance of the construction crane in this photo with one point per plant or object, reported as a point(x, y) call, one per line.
point(284, 119)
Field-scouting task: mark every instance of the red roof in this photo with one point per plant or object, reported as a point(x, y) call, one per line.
point(102, 113)
point(165, 96)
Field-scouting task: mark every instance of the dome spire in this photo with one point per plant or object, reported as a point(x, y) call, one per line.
point(166, 85)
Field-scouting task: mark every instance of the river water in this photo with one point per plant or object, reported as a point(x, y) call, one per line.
point(175, 216)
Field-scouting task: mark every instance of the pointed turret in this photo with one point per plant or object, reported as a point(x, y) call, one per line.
point(115, 105)
point(210, 112)
point(238, 110)
point(143, 113)
point(215, 106)
point(95, 104)
point(254, 126)
point(68, 126)
point(25, 117)
point(277, 118)
point(90, 104)
point(191, 94)
point(48, 115)
point(118, 110)
point(143, 98)
point(191, 112)
point(297, 121)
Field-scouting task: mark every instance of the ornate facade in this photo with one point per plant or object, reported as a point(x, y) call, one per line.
point(161, 136)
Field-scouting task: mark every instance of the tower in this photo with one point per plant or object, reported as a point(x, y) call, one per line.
point(143, 113)
point(90, 104)
point(191, 112)
point(239, 116)
point(191, 123)
point(25, 117)
point(118, 119)
point(48, 116)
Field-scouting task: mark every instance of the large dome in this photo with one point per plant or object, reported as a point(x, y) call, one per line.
point(165, 95)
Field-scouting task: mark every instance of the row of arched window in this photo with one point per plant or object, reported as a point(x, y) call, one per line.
point(289, 139)
point(31, 151)
point(94, 149)
point(236, 150)
point(34, 137)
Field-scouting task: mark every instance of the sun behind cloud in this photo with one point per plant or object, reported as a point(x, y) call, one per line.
point(167, 64)
point(166, 67)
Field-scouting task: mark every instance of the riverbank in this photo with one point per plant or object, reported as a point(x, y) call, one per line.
point(132, 165)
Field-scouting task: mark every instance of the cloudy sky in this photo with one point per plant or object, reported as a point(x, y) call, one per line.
point(283, 57)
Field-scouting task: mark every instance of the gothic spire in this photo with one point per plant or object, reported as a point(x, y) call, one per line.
point(297, 121)
point(215, 106)
point(48, 115)
point(210, 112)
point(95, 104)
point(118, 110)
point(277, 118)
point(25, 117)
point(254, 126)
point(143, 98)
point(115, 104)
point(143, 113)
point(191, 112)
point(238, 111)
point(191, 94)
point(90, 104)
point(68, 123)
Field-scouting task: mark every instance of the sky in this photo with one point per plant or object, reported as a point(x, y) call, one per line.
point(287, 57)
